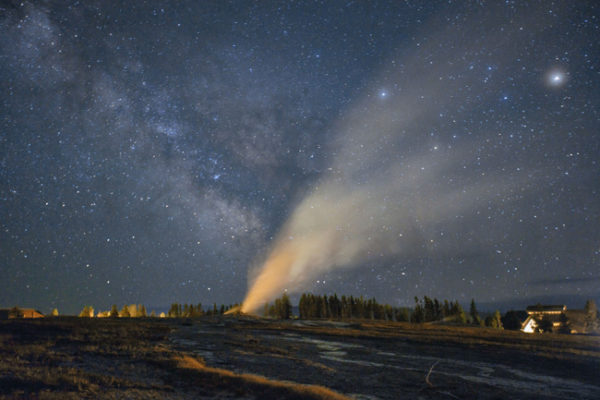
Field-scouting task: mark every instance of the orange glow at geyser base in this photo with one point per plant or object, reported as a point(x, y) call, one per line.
point(271, 280)
point(318, 236)
point(281, 270)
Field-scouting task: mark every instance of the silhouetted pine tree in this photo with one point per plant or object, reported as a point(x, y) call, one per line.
point(124, 313)
point(446, 309)
point(172, 313)
point(591, 316)
point(474, 314)
point(418, 315)
point(114, 311)
point(428, 309)
point(437, 310)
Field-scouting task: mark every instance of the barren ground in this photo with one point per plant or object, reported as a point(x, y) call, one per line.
point(258, 359)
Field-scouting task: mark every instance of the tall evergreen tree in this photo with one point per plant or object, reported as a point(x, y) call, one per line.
point(418, 315)
point(302, 303)
point(591, 316)
point(335, 307)
point(512, 321)
point(324, 307)
point(429, 309)
point(497, 320)
point(459, 314)
point(286, 307)
point(437, 310)
point(125, 312)
point(173, 311)
point(446, 309)
point(474, 314)
point(88, 311)
point(114, 311)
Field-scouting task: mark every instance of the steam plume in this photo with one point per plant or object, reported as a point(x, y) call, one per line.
point(392, 180)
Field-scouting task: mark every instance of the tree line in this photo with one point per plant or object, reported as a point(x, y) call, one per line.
point(348, 307)
point(191, 311)
point(428, 310)
point(176, 310)
point(313, 306)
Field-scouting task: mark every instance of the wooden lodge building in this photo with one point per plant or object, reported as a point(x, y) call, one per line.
point(539, 318)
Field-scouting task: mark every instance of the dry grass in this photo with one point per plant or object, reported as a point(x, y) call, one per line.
point(75, 358)
point(71, 358)
point(254, 384)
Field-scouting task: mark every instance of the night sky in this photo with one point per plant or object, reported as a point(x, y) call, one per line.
point(151, 152)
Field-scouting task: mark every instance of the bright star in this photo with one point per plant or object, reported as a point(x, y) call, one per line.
point(383, 94)
point(556, 78)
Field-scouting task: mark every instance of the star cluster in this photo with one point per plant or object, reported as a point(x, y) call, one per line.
point(150, 152)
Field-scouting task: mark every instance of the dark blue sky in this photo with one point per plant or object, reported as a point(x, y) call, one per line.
point(150, 152)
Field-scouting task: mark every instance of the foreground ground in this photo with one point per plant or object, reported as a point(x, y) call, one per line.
point(257, 359)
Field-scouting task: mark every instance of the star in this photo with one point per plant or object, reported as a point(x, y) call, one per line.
point(556, 78)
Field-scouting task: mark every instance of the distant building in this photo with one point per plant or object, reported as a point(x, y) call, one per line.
point(31, 313)
point(537, 313)
point(15, 312)
point(562, 320)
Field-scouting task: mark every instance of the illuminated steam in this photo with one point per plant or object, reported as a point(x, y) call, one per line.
point(340, 225)
point(399, 169)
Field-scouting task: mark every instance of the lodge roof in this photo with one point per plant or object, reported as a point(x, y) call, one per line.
point(546, 308)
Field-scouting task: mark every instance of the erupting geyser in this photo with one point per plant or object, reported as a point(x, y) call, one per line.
point(391, 188)
point(319, 234)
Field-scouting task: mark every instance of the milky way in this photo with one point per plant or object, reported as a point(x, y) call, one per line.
point(156, 153)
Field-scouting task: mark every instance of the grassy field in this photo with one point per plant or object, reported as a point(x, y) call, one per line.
point(62, 358)
point(58, 358)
